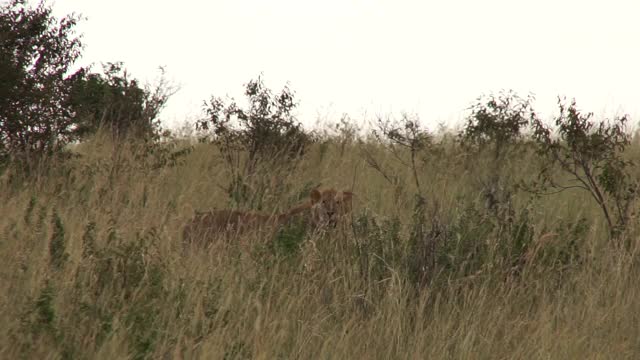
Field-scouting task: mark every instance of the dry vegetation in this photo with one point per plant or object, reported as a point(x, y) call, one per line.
point(508, 240)
point(93, 265)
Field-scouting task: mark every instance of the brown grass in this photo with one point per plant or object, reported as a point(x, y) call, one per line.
point(126, 290)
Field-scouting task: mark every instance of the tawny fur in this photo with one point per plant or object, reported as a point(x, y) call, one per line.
point(325, 208)
point(328, 206)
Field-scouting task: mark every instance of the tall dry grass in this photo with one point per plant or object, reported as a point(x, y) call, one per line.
point(93, 265)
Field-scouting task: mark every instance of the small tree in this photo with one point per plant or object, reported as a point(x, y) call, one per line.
point(497, 121)
point(495, 125)
point(265, 128)
point(407, 140)
point(591, 154)
point(36, 53)
point(263, 131)
point(407, 134)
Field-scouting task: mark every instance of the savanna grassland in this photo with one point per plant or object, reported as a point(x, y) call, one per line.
point(474, 267)
point(512, 238)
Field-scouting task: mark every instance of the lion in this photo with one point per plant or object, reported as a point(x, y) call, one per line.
point(325, 209)
point(328, 206)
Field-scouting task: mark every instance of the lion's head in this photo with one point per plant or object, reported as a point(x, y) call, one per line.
point(329, 205)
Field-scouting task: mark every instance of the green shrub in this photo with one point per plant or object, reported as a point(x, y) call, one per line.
point(265, 134)
point(590, 156)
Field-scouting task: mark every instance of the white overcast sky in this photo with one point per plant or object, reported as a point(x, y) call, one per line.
point(431, 58)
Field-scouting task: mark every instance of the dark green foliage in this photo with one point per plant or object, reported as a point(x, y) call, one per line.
point(89, 240)
point(29, 210)
point(121, 269)
point(39, 227)
point(265, 128)
point(119, 104)
point(44, 106)
point(36, 54)
point(420, 254)
point(434, 252)
point(38, 321)
point(380, 247)
point(560, 249)
point(265, 132)
point(465, 250)
point(134, 275)
point(288, 239)
point(521, 233)
point(497, 121)
point(45, 313)
point(142, 319)
point(590, 154)
point(57, 245)
point(495, 126)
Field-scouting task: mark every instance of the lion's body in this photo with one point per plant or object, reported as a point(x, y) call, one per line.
point(219, 221)
point(325, 207)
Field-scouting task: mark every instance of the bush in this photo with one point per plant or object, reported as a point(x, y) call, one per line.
point(114, 101)
point(497, 120)
point(591, 155)
point(495, 127)
point(263, 133)
point(266, 128)
point(407, 134)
